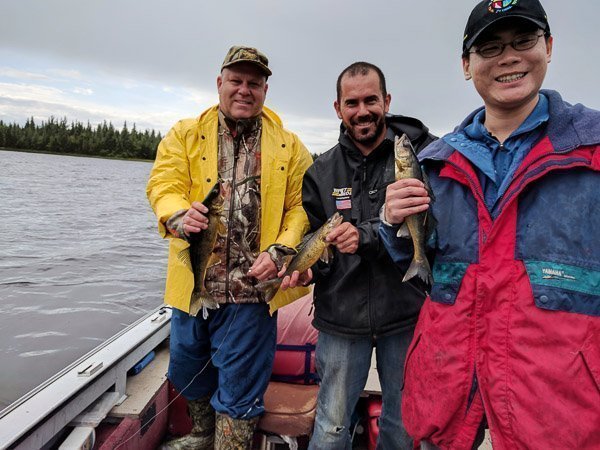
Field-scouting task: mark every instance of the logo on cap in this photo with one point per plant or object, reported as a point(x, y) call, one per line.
point(501, 5)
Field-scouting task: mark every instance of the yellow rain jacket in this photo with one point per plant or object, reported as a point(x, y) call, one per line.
point(186, 168)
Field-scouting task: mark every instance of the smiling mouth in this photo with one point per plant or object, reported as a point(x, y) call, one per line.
point(511, 78)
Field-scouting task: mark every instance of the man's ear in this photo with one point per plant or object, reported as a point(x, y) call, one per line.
point(466, 64)
point(549, 44)
point(336, 106)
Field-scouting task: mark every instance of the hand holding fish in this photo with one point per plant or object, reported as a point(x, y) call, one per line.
point(407, 202)
point(195, 220)
point(263, 268)
point(404, 198)
point(345, 237)
point(313, 248)
point(295, 279)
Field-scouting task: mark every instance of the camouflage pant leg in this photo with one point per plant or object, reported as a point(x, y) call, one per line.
point(234, 434)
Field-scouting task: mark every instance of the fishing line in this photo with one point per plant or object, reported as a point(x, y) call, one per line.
point(151, 419)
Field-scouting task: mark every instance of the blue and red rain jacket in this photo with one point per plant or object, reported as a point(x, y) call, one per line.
point(511, 329)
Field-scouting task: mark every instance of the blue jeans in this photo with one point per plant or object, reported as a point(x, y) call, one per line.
point(240, 339)
point(343, 365)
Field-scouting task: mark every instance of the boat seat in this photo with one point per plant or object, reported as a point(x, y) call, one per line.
point(290, 410)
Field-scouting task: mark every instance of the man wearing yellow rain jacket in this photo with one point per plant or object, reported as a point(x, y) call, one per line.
point(221, 360)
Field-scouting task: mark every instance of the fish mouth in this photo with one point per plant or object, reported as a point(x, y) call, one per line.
point(511, 78)
point(336, 219)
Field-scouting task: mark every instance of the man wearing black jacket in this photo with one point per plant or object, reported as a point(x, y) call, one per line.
point(360, 299)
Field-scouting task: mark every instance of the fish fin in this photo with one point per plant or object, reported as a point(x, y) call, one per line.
point(185, 257)
point(421, 269)
point(304, 240)
point(221, 229)
point(213, 260)
point(202, 301)
point(327, 255)
point(269, 288)
point(403, 231)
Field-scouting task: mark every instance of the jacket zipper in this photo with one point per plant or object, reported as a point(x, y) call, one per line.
point(479, 195)
point(236, 151)
point(364, 213)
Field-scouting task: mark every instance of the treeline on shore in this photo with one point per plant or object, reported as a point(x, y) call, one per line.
point(61, 137)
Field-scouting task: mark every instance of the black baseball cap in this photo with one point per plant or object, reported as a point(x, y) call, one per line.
point(489, 12)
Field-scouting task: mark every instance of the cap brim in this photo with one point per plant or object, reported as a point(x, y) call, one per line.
point(262, 67)
point(473, 38)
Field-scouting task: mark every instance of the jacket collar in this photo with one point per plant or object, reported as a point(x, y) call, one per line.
point(396, 126)
point(569, 127)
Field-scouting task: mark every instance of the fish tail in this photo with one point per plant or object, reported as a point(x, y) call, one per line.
point(419, 267)
point(269, 288)
point(202, 300)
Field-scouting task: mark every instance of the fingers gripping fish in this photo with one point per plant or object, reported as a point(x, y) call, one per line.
point(414, 226)
point(314, 247)
point(202, 257)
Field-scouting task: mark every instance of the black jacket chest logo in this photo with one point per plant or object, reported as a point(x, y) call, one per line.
point(342, 197)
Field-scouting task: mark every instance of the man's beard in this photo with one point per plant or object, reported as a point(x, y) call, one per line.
point(369, 138)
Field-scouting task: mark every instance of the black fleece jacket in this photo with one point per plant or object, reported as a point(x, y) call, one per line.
point(361, 294)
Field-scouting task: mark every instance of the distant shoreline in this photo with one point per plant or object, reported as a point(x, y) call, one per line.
point(77, 155)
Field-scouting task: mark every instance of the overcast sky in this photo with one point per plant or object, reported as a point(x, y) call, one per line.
point(153, 62)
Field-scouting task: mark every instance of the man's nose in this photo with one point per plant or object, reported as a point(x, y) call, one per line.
point(363, 110)
point(244, 89)
point(509, 56)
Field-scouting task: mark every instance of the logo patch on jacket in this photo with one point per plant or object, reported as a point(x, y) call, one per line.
point(343, 198)
point(558, 274)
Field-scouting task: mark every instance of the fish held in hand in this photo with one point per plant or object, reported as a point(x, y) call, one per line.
point(415, 226)
point(313, 248)
point(202, 245)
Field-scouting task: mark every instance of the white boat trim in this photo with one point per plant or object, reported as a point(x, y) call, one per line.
point(36, 418)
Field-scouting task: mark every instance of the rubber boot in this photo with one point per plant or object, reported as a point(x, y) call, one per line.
point(202, 436)
point(234, 434)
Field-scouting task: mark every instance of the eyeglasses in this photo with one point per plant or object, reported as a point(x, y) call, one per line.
point(520, 43)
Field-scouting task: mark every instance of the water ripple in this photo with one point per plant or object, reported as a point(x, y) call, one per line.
point(84, 266)
point(40, 335)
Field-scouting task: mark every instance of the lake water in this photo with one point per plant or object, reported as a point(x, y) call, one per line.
point(80, 260)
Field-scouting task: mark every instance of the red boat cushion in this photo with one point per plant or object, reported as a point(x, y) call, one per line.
point(296, 341)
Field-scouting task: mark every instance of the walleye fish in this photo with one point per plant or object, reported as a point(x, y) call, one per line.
point(202, 257)
point(414, 226)
point(313, 248)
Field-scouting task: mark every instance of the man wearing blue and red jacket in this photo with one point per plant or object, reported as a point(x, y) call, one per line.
point(509, 335)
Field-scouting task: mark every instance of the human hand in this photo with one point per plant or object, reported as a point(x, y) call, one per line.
point(404, 198)
point(263, 268)
point(195, 220)
point(295, 279)
point(345, 237)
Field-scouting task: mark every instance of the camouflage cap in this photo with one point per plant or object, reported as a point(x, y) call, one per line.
point(238, 54)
